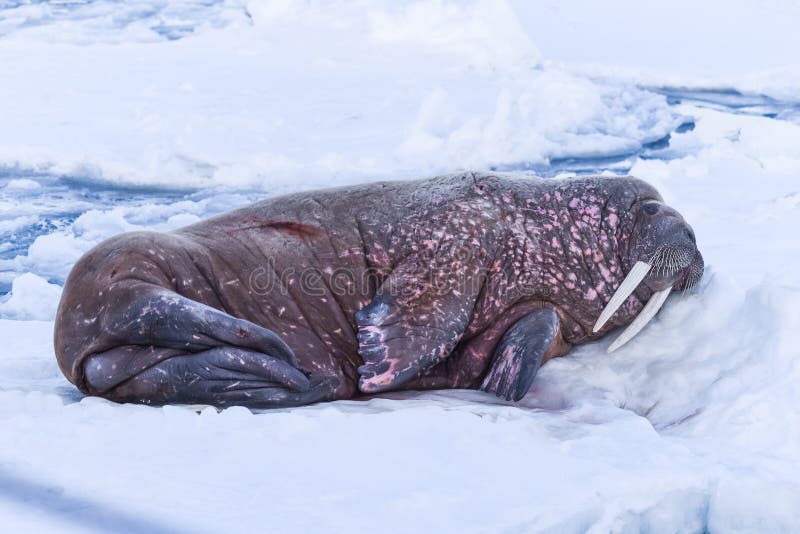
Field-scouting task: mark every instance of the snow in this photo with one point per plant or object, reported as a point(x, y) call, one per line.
point(31, 297)
point(739, 44)
point(154, 114)
point(291, 95)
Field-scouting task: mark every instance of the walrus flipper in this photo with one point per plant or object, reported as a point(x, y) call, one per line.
point(171, 349)
point(520, 353)
point(222, 376)
point(160, 317)
point(413, 323)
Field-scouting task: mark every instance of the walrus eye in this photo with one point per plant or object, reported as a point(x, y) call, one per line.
point(651, 209)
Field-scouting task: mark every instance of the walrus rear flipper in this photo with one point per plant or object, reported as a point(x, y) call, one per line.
point(160, 317)
point(165, 348)
point(520, 353)
point(222, 376)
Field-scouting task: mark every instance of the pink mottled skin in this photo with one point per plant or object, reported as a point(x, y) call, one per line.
point(383, 286)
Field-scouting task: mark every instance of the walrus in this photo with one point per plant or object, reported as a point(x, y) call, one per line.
point(471, 280)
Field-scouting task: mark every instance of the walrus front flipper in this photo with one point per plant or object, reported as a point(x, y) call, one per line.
point(413, 323)
point(520, 353)
point(222, 376)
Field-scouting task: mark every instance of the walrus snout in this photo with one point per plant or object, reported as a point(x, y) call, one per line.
point(670, 266)
point(666, 242)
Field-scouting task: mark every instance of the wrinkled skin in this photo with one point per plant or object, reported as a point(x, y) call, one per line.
point(463, 281)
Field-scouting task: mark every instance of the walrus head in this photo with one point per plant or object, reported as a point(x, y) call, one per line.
point(664, 256)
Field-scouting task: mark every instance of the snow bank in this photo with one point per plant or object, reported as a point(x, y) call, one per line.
point(681, 43)
point(283, 94)
point(52, 255)
point(32, 297)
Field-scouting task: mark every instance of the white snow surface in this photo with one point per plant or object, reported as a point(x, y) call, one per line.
point(154, 114)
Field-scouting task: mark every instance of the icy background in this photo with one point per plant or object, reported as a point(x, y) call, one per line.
point(154, 114)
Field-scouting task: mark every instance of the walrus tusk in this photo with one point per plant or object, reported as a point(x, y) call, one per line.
point(636, 275)
point(648, 312)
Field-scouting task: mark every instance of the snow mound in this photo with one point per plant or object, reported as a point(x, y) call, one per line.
point(103, 21)
point(32, 298)
point(314, 87)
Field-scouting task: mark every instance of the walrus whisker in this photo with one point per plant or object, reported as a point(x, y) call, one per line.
point(667, 260)
point(694, 278)
point(635, 276)
point(645, 316)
